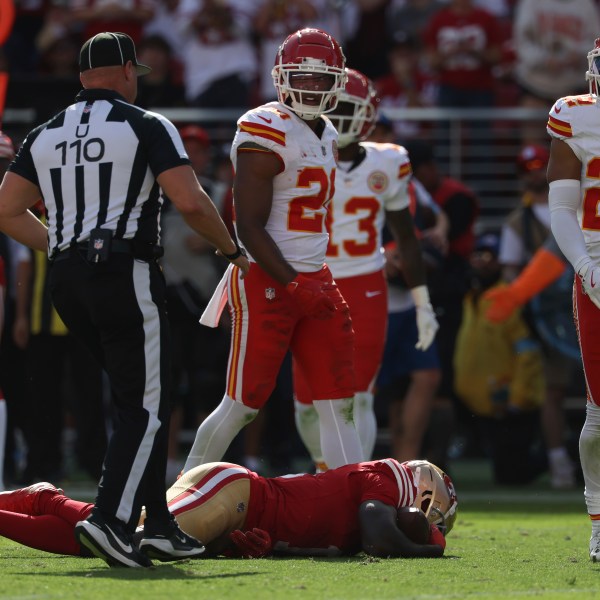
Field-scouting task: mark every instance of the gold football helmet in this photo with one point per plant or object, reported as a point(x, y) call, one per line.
point(435, 494)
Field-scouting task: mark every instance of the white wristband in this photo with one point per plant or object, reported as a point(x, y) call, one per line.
point(420, 295)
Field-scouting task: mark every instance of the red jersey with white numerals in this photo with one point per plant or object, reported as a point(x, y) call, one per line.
point(357, 211)
point(319, 513)
point(304, 185)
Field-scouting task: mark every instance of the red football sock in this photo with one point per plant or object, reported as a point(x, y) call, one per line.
point(64, 507)
point(46, 532)
point(51, 532)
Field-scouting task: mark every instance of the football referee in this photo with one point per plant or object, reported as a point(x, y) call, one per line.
point(100, 166)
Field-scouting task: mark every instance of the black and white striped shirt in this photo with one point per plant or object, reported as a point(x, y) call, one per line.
point(96, 165)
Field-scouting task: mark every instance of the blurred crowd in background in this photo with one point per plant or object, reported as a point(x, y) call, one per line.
point(500, 392)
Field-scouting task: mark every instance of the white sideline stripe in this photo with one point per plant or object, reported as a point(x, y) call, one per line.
point(545, 593)
point(510, 496)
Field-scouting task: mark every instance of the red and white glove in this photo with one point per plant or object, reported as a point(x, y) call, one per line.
point(311, 297)
point(590, 280)
point(436, 537)
point(427, 324)
point(252, 544)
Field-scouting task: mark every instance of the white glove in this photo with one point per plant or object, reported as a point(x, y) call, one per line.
point(427, 324)
point(590, 280)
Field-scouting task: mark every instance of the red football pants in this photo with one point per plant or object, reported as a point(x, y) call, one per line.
point(367, 297)
point(266, 323)
point(587, 321)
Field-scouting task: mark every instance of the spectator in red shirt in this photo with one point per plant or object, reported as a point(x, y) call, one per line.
point(407, 84)
point(463, 45)
point(97, 16)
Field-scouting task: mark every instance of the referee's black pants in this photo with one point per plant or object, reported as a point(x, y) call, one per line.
point(117, 309)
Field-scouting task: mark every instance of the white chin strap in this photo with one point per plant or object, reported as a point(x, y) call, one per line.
point(309, 112)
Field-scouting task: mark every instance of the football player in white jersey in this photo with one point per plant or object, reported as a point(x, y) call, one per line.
point(371, 189)
point(284, 155)
point(574, 176)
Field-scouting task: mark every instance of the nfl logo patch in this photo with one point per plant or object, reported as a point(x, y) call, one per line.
point(270, 293)
point(98, 244)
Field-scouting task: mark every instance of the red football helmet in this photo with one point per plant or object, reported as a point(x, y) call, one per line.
point(309, 53)
point(356, 112)
point(593, 73)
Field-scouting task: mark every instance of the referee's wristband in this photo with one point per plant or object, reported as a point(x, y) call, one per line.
point(238, 252)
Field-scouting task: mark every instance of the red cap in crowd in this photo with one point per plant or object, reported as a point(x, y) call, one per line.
point(193, 132)
point(533, 157)
point(7, 150)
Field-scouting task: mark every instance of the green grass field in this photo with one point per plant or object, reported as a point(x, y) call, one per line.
point(526, 542)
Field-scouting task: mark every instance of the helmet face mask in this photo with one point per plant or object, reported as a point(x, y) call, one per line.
point(593, 73)
point(435, 494)
point(356, 114)
point(309, 73)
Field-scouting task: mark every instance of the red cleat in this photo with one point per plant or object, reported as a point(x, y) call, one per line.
point(27, 500)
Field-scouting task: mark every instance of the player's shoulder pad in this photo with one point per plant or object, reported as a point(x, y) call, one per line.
point(393, 156)
point(267, 122)
point(567, 112)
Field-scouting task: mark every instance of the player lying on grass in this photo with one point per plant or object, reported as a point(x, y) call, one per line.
point(236, 512)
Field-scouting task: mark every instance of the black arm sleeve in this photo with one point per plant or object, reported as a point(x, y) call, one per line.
point(461, 210)
point(381, 537)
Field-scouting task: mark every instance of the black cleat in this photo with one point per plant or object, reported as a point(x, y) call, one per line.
point(175, 545)
point(110, 542)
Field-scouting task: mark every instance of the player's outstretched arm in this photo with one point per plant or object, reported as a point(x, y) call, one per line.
point(542, 270)
point(381, 537)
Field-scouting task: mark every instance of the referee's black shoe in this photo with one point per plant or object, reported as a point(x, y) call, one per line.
point(109, 540)
point(172, 545)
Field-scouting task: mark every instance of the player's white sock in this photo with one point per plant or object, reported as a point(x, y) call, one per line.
point(365, 421)
point(3, 419)
point(217, 431)
point(339, 439)
point(562, 469)
point(308, 426)
point(588, 454)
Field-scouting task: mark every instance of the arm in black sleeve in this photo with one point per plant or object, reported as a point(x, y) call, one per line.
point(461, 210)
point(381, 537)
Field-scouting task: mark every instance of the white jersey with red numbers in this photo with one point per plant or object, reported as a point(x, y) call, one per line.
point(576, 121)
point(357, 211)
point(304, 185)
